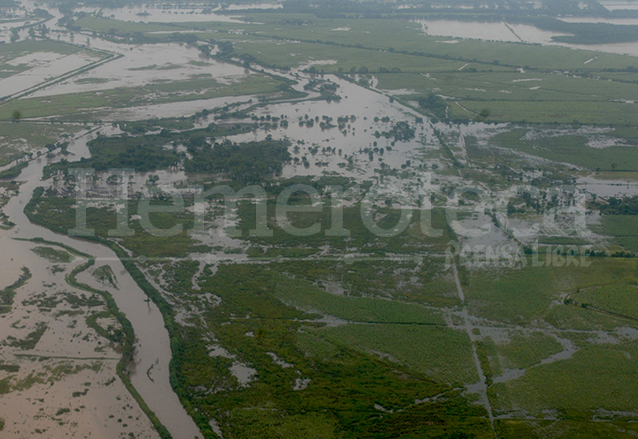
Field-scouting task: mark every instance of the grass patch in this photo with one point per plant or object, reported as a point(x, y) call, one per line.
point(440, 353)
point(598, 377)
point(358, 309)
point(623, 229)
point(520, 296)
point(524, 351)
point(620, 298)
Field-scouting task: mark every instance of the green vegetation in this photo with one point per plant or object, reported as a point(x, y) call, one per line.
point(357, 309)
point(53, 255)
point(365, 335)
point(480, 79)
point(62, 411)
point(524, 351)
point(248, 162)
point(521, 296)
point(405, 37)
point(141, 127)
point(105, 275)
point(106, 25)
point(102, 220)
point(618, 206)
point(13, 172)
point(7, 294)
point(622, 228)
point(341, 59)
point(566, 427)
point(344, 388)
point(11, 368)
point(22, 140)
point(31, 340)
point(571, 149)
point(440, 353)
point(617, 298)
point(150, 152)
point(588, 33)
point(595, 377)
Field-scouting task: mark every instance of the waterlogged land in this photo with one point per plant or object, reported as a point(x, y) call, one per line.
point(503, 306)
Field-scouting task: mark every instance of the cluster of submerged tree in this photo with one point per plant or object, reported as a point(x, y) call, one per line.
point(305, 201)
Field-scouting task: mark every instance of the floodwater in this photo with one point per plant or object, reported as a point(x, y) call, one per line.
point(67, 342)
point(569, 349)
point(326, 150)
point(45, 66)
point(171, 109)
point(140, 65)
point(619, 4)
point(153, 352)
point(608, 188)
point(359, 133)
point(509, 32)
point(489, 31)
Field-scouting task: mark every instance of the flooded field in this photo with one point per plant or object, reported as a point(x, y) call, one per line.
point(140, 66)
point(489, 31)
point(42, 67)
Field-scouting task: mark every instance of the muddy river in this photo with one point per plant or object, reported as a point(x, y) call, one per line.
point(153, 348)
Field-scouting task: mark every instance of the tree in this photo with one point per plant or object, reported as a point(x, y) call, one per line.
point(16, 115)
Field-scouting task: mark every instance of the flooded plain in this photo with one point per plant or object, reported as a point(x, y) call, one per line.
point(343, 137)
point(153, 354)
point(139, 67)
point(67, 380)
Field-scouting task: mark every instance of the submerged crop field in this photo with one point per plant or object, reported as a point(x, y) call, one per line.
point(316, 219)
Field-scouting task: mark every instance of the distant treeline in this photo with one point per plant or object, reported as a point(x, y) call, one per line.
point(331, 8)
point(369, 9)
